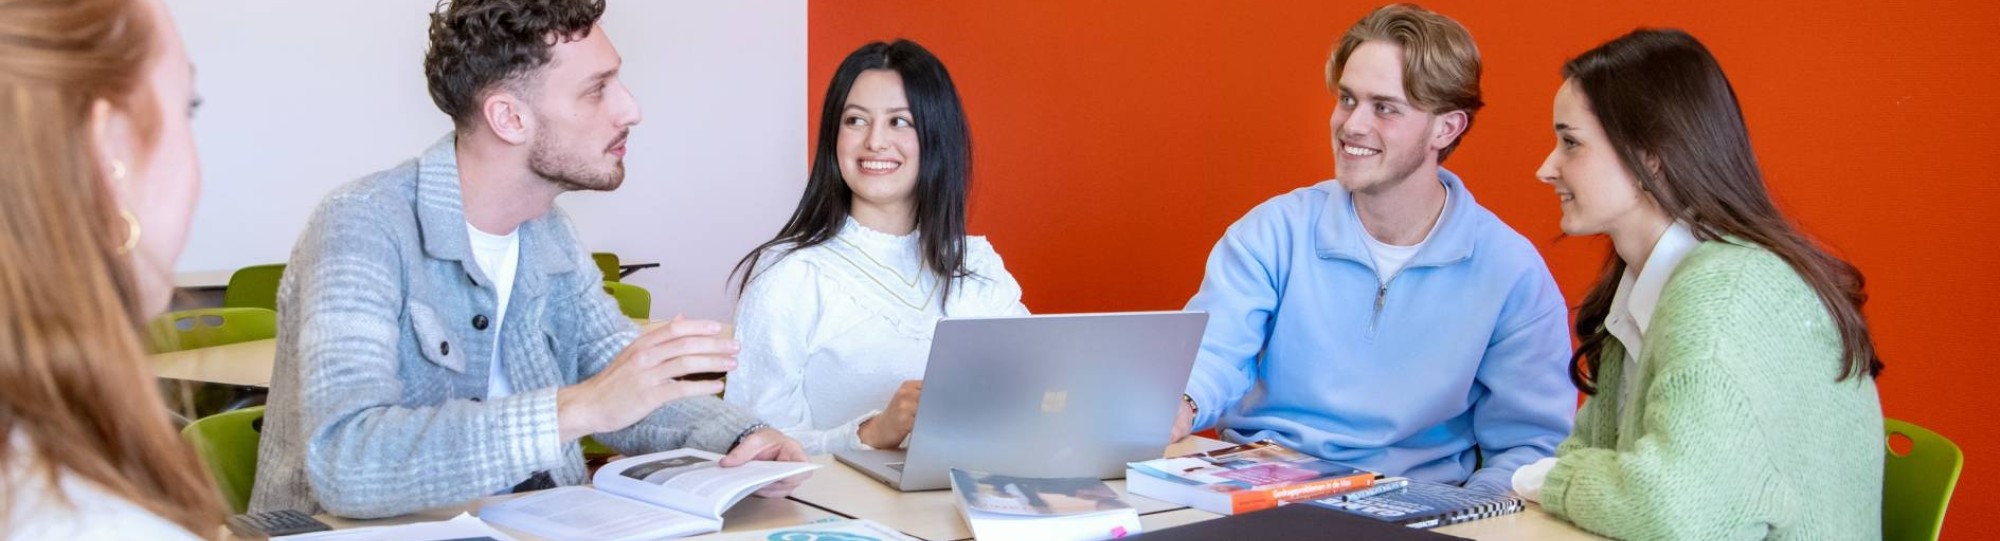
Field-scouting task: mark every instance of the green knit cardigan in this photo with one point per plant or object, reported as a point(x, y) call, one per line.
point(1737, 429)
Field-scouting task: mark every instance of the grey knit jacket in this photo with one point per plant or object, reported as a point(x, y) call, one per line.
point(378, 403)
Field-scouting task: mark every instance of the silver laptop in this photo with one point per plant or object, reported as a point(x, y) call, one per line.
point(1074, 395)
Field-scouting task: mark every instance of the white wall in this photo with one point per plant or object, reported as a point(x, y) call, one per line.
point(301, 96)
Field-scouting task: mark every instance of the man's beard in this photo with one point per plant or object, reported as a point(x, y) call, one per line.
point(571, 172)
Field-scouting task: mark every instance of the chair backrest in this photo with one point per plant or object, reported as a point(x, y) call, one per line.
point(633, 300)
point(190, 329)
point(1917, 486)
point(607, 263)
point(254, 287)
point(226, 443)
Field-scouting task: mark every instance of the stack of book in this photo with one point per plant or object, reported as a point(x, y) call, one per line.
point(1249, 477)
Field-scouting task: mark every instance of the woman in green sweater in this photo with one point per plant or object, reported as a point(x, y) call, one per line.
point(1729, 368)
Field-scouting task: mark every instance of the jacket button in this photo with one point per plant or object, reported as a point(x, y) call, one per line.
point(444, 348)
point(479, 322)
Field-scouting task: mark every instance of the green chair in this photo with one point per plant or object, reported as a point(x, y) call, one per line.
point(1917, 486)
point(226, 443)
point(633, 300)
point(607, 263)
point(254, 287)
point(595, 450)
point(190, 329)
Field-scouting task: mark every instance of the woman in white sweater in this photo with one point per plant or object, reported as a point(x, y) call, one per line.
point(97, 186)
point(837, 311)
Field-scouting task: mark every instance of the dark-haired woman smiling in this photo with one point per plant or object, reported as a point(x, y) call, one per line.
point(1731, 373)
point(837, 311)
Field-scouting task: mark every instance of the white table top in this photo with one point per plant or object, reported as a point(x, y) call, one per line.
point(208, 279)
point(243, 363)
point(928, 514)
point(931, 514)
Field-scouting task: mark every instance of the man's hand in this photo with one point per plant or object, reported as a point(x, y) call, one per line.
point(1183, 423)
point(643, 377)
point(769, 444)
point(887, 430)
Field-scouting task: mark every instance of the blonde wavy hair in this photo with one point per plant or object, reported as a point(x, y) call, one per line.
point(1440, 63)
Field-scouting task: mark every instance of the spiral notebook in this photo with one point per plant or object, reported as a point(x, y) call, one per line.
point(1296, 521)
point(1423, 504)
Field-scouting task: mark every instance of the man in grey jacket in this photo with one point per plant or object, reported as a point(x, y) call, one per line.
point(444, 336)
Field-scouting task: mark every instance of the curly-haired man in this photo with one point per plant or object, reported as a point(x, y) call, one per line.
point(443, 334)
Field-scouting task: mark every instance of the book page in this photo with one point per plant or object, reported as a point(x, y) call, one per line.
point(460, 528)
point(690, 480)
point(580, 513)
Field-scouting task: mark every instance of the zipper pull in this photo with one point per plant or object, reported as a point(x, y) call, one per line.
point(1381, 298)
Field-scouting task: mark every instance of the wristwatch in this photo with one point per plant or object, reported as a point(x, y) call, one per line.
point(745, 434)
point(1192, 407)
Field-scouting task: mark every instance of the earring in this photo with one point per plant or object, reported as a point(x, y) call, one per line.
point(131, 222)
point(131, 232)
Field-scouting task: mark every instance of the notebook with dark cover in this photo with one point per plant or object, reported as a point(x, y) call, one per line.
point(1296, 521)
point(1423, 504)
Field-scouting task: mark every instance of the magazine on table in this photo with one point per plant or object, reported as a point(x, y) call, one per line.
point(1244, 478)
point(1051, 509)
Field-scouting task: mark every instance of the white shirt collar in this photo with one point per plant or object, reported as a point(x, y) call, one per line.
point(854, 232)
point(482, 239)
point(896, 254)
point(1639, 295)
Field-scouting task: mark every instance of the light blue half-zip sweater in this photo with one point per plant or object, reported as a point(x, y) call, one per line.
point(1463, 353)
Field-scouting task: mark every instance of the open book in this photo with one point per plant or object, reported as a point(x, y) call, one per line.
point(669, 494)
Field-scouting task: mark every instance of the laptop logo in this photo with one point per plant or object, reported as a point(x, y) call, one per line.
point(1055, 401)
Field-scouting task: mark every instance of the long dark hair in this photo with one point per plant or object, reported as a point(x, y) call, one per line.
point(1662, 99)
point(944, 171)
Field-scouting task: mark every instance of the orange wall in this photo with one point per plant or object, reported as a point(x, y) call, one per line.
point(1116, 139)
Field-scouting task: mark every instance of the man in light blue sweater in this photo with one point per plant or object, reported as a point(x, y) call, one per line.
point(1384, 319)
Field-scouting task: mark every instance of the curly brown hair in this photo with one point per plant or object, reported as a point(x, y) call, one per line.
point(479, 44)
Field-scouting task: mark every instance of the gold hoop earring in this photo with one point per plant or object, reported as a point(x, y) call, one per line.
point(131, 232)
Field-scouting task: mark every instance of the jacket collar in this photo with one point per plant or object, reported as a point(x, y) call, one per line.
point(441, 223)
point(1339, 233)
